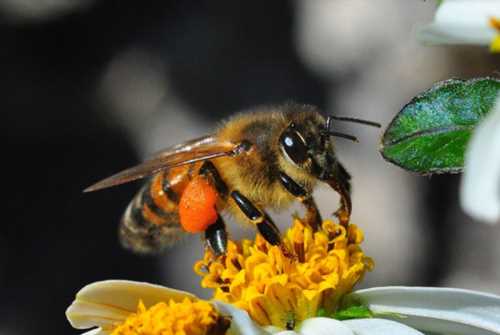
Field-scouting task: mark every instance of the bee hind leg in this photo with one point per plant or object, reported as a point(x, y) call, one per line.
point(313, 217)
point(216, 234)
point(208, 169)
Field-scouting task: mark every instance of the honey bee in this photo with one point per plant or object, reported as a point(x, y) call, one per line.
point(263, 159)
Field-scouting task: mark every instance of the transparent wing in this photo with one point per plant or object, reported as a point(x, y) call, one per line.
point(199, 149)
point(186, 146)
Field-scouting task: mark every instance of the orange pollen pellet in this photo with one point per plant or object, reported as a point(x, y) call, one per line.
point(197, 205)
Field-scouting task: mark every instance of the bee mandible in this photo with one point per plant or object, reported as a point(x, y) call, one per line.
point(263, 159)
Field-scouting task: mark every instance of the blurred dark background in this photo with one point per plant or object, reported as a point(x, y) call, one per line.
point(90, 87)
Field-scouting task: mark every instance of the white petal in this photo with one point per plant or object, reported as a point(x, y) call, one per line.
point(440, 310)
point(462, 22)
point(241, 324)
point(324, 326)
point(379, 327)
point(480, 191)
point(276, 330)
point(97, 331)
point(82, 315)
point(108, 302)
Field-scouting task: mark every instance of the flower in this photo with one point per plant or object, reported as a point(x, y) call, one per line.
point(120, 307)
point(283, 286)
point(480, 189)
point(112, 304)
point(465, 22)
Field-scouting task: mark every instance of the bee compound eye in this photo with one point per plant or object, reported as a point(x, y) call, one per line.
point(294, 146)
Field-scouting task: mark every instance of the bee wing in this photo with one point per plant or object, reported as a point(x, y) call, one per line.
point(199, 149)
point(186, 146)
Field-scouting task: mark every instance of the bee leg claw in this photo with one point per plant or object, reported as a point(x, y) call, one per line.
point(216, 237)
point(272, 235)
point(343, 215)
point(287, 253)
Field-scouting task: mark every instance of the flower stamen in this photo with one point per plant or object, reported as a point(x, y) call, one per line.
point(174, 318)
point(275, 288)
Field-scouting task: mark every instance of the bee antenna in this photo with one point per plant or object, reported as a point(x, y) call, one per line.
point(327, 132)
point(337, 134)
point(351, 119)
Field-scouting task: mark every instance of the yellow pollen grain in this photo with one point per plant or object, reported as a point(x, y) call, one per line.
point(275, 288)
point(170, 318)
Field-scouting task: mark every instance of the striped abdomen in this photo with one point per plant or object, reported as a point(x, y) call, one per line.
point(151, 221)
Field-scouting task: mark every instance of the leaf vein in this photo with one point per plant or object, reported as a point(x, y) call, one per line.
point(430, 131)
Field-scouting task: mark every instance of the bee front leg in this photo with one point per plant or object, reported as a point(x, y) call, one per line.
point(341, 182)
point(216, 237)
point(313, 217)
point(265, 225)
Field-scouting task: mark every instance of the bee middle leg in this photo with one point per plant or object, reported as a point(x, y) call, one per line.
point(313, 217)
point(216, 233)
point(265, 225)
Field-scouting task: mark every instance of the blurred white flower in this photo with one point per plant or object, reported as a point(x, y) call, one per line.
point(436, 310)
point(465, 22)
point(412, 310)
point(480, 191)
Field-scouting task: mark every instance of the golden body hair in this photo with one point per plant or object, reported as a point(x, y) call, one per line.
point(255, 174)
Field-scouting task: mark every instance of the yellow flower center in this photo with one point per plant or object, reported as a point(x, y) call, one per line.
point(280, 289)
point(173, 318)
point(495, 44)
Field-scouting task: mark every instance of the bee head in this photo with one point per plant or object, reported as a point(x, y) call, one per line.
point(307, 143)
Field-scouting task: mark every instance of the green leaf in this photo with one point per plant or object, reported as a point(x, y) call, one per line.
point(353, 312)
point(430, 134)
